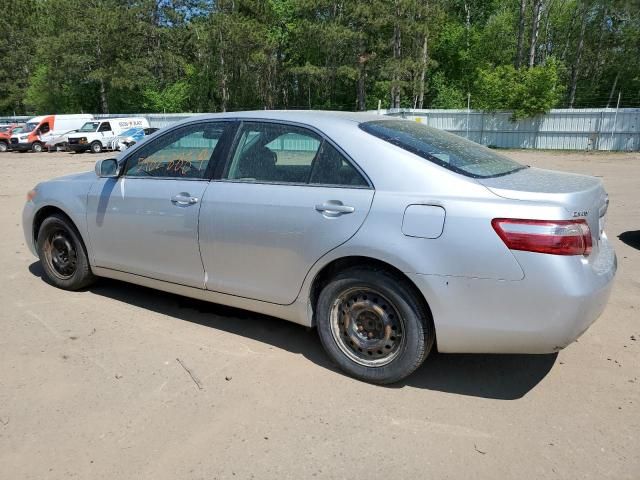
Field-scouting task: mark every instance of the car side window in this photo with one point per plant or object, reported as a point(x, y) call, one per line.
point(181, 153)
point(332, 168)
point(270, 152)
point(104, 127)
point(44, 128)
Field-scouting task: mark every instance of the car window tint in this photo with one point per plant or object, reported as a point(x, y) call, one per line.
point(442, 148)
point(182, 153)
point(331, 168)
point(269, 152)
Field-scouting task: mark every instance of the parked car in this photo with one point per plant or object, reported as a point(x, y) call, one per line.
point(59, 143)
point(98, 135)
point(5, 135)
point(389, 236)
point(39, 130)
point(129, 138)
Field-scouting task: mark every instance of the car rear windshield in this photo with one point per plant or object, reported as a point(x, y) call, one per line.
point(445, 149)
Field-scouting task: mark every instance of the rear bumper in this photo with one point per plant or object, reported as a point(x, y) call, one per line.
point(556, 302)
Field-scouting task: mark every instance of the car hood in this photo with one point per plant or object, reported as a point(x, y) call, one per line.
point(75, 177)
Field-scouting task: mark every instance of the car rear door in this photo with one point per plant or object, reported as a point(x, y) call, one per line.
point(286, 198)
point(145, 222)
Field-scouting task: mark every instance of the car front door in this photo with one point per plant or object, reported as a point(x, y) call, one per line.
point(286, 197)
point(146, 221)
point(105, 130)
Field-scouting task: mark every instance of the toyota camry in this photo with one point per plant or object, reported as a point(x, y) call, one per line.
point(390, 237)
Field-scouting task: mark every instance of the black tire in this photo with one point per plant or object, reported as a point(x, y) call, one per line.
point(3, 146)
point(383, 354)
point(96, 147)
point(36, 147)
point(63, 255)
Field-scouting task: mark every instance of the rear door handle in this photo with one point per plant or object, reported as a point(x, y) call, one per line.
point(334, 208)
point(184, 199)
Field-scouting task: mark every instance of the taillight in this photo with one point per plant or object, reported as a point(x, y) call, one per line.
point(557, 237)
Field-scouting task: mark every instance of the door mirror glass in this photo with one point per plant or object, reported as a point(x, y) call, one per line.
point(107, 168)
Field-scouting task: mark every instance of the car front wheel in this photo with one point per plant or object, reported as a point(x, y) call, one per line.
point(3, 147)
point(36, 147)
point(63, 255)
point(96, 147)
point(373, 326)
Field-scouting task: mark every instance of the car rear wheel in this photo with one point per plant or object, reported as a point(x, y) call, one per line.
point(373, 326)
point(36, 147)
point(3, 146)
point(63, 255)
point(96, 147)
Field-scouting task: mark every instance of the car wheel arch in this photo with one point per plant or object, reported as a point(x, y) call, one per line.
point(48, 210)
point(331, 269)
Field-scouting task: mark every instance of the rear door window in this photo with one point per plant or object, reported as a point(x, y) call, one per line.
point(271, 152)
point(332, 168)
point(281, 153)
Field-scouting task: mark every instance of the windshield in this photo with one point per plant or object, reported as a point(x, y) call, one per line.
point(442, 148)
point(89, 127)
point(29, 127)
point(17, 130)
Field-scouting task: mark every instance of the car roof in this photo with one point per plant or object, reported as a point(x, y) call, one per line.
point(310, 117)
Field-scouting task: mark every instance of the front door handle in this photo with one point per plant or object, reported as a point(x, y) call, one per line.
point(184, 199)
point(334, 208)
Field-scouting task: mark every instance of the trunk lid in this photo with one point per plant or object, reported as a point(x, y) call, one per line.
point(581, 195)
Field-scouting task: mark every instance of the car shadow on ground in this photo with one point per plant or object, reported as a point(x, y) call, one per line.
point(631, 238)
point(504, 377)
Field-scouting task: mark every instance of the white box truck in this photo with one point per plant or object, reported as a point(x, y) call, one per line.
point(39, 130)
point(97, 135)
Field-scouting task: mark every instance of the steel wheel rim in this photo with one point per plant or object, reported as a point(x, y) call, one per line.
point(367, 327)
point(60, 254)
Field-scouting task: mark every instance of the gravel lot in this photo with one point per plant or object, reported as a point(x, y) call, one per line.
point(91, 386)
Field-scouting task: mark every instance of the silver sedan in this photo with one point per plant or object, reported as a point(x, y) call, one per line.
point(388, 236)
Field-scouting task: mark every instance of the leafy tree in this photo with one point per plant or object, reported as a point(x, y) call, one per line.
point(199, 55)
point(527, 92)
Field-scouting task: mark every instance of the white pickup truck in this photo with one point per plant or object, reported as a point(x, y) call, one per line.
point(97, 135)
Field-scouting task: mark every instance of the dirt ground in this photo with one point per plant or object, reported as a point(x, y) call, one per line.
point(91, 386)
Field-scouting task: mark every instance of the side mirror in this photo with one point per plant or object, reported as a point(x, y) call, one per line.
point(107, 168)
